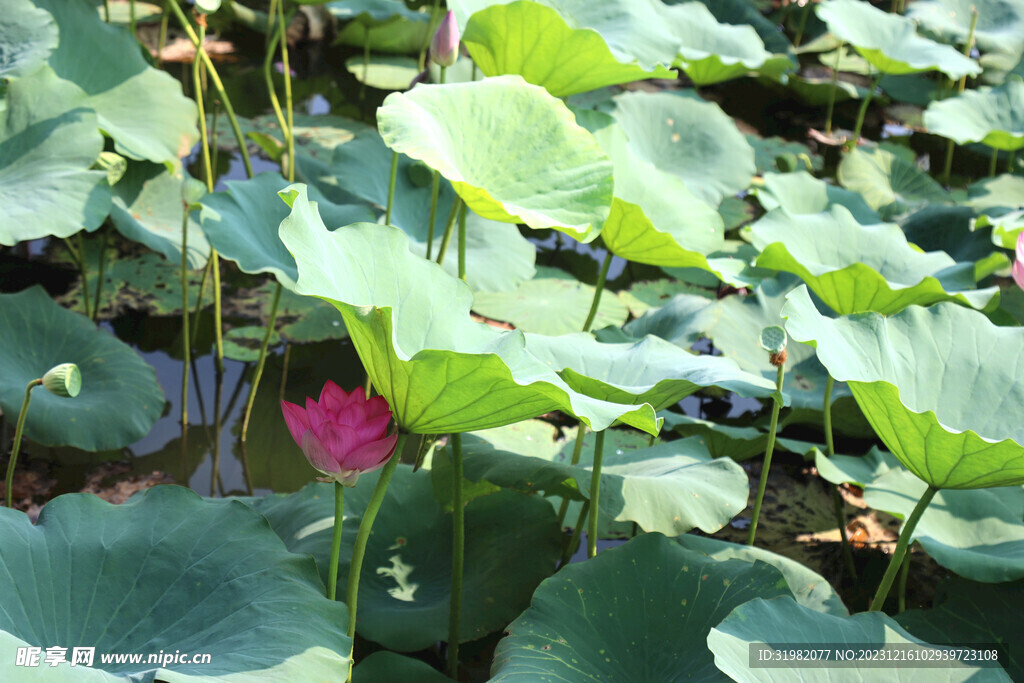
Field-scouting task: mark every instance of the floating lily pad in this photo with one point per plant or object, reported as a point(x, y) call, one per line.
point(440, 371)
point(472, 133)
point(783, 622)
point(549, 306)
point(243, 343)
point(512, 543)
point(29, 36)
point(49, 139)
point(890, 41)
point(148, 209)
point(978, 534)
point(568, 46)
point(855, 268)
point(993, 116)
point(801, 193)
point(642, 610)
point(142, 108)
point(120, 398)
point(385, 72)
point(922, 380)
point(181, 565)
point(889, 183)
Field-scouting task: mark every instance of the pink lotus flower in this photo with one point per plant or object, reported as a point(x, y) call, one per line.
point(444, 47)
point(342, 435)
point(1018, 264)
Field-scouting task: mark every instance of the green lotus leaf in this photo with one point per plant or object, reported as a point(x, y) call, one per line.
point(922, 380)
point(120, 397)
point(390, 666)
point(193, 576)
point(816, 90)
point(401, 35)
point(242, 223)
point(48, 141)
point(783, 622)
point(890, 41)
point(889, 184)
point(473, 134)
point(722, 441)
point(801, 193)
point(768, 150)
point(996, 196)
point(650, 370)
point(809, 588)
point(28, 36)
point(949, 229)
point(1005, 228)
point(682, 320)
point(640, 611)
point(409, 320)
point(978, 533)
point(680, 133)
point(855, 268)
point(845, 58)
point(568, 46)
point(647, 295)
point(993, 116)
point(860, 470)
point(374, 12)
point(670, 488)
point(148, 209)
point(712, 52)
point(737, 335)
point(512, 543)
point(744, 12)
point(498, 257)
point(549, 306)
point(1000, 24)
point(142, 108)
point(385, 72)
point(968, 612)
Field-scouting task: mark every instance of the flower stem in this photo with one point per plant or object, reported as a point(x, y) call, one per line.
point(435, 187)
point(8, 500)
point(862, 112)
point(595, 493)
point(187, 347)
point(391, 187)
point(260, 362)
point(458, 557)
point(289, 133)
point(448, 229)
point(577, 450)
point(99, 277)
point(268, 76)
point(339, 518)
point(365, 525)
point(901, 595)
point(769, 450)
point(218, 334)
point(574, 540)
point(161, 42)
point(199, 298)
point(837, 498)
point(597, 292)
point(901, 549)
point(992, 163)
point(462, 242)
point(85, 275)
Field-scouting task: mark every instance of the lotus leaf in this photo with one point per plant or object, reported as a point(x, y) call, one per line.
point(385, 72)
point(568, 46)
point(181, 566)
point(682, 320)
point(1005, 228)
point(949, 229)
point(998, 195)
point(27, 37)
point(860, 470)
point(744, 12)
point(549, 306)
point(1000, 24)
point(801, 193)
point(409, 320)
point(637, 612)
point(890, 41)
point(722, 441)
point(120, 398)
point(558, 177)
point(374, 12)
point(889, 183)
point(993, 116)
point(855, 268)
point(389, 666)
point(922, 379)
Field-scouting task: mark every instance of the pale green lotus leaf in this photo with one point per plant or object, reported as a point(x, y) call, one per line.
point(549, 306)
point(993, 116)
point(474, 134)
point(998, 195)
point(1000, 24)
point(27, 37)
point(1005, 228)
point(889, 183)
point(374, 12)
point(924, 380)
point(801, 193)
point(385, 72)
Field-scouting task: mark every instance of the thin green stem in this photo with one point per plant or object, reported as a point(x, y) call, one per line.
point(251, 401)
point(595, 493)
point(458, 558)
point(186, 345)
point(901, 590)
point(199, 297)
point(161, 42)
point(574, 540)
point(901, 549)
point(391, 187)
point(769, 450)
point(832, 94)
point(1011, 162)
point(968, 46)
point(106, 11)
point(268, 77)
point(200, 104)
point(339, 518)
point(435, 186)
point(8, 491)
point(448, 230)
point(366, 66)
point(577, 450)
point(992, 163)
point(99, 277)
point(365, 525)
point(598, 290)
point(218, 333)
point(289, 133)
point(217, 83)
point(431, 27)
point(441, 77)
point(284, 370)
point(462, 242)
point(862, 112)
point(802, 25)
point(85, 275)
point(837, 498)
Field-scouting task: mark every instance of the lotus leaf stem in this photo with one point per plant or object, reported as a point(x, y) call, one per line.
point(862, 112)
point(574, 540)
point(837, 498)
point(161, 42)
point(598, 290)
point(901, 548)
point(901, 590)
point(595, 493)
point(260, 362)
point(99, 277)
point(462, 242)
point(85, 275)
point(832, 95)
point(435, 187)
point(186, 345)
point(366, 65)
point(199, 298)
point(363, 535)
point(968, 46)
point(802, 25)
point(391, 187)
point(106, 11)
point(18, 431)
point(217, 327)
point(456, 205)
point(339, 518)
point(284, 370)
point(577, 450)
point(992, 163)
point(768, 451)
point(268, 59)
point(289, 132)
point(458, 557)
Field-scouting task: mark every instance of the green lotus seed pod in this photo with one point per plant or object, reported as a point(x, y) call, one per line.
point(192, 190)
point(63, 380)
point(773, 339)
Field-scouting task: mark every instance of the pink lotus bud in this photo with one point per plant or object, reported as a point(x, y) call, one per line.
point(444, 48)
point(1018, 264)
point(342, 435)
